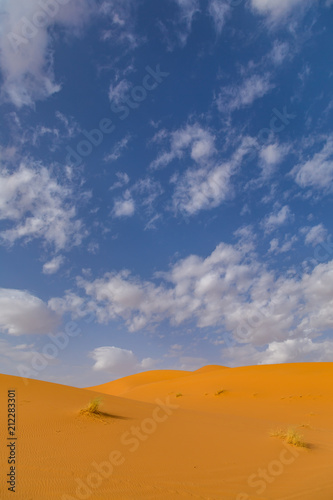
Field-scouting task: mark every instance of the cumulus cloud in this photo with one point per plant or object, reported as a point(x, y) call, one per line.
point(277, 218)
point(22, 313)
point(270, 156)
point(38, 206)
point(125, 206)
point(299, 350)
point(315, 234)
point(53, 265)
point(119, 362)
point(208, 186)
point(26, 40)
point(317, 172)
point(234, 97)
point(201, 189)
point(296, 351)
point(276, 10)
point(193, 140)
point(230, 288)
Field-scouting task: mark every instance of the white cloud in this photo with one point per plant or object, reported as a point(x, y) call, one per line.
point(230, 288)
point(276, 247)
point(208, 186)
point(123, 179)
point(318, 171)
point(276, 10)
point(125, 206)
point(201, 189)
point(192, 139)
point(118, 149)
point(22, 313)
point(218, 10)
point(117, 92)
point(53, 265)
point(279, 52)
point(26, 58)
point(120, 17)
point(118, 361)
point(187, 11)
point(289, 351)
point(297, 350)
point(277, 218)
point(38, 207)
point(15, 355)
point(315, 234)
point(273, 154)
point(149, 190)
point(238, 96)
point(270, 156)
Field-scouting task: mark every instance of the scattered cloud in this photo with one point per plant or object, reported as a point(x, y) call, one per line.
point(270, 156)
point(208, 186)
point(201, 189)
point(125, 206)
point(39, 207)
point(219, 10)
point(118, 149)
point(317, 172)
point(288, 351)
point(234, 97)
point(119, 362)
point(192, 139)
point(230, 288)
point(123, 179)
point(26, 57)
point(22, 314)
point(53, 265)
point(297, 350)
point(187, 11)
point(315, 234)
point(279, 52)
point(277, 218)
point(118, 91)
point(277, 10)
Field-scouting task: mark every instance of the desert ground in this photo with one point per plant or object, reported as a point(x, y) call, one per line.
point(169, 434)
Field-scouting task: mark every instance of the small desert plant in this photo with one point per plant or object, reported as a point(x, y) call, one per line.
point(291, 436)
point(221, 391)
point(93, 407)
point(178, 395)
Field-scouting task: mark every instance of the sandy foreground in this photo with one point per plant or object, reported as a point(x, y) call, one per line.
point(174, 435)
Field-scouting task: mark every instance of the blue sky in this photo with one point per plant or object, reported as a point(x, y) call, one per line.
point(166, 178)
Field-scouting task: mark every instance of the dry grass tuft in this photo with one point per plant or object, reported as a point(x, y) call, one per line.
point(92, 408)
point(290, 436)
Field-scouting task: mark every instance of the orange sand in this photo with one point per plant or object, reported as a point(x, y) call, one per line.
point(203, 445)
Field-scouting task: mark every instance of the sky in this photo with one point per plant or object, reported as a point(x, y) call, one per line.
point(166, 173)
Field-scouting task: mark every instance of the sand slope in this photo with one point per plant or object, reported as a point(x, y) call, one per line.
point(195, 446)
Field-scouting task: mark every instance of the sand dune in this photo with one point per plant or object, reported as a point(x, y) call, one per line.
point(175, 435)
point(125, 384)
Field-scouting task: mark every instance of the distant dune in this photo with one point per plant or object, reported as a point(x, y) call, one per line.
point(175, 434)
